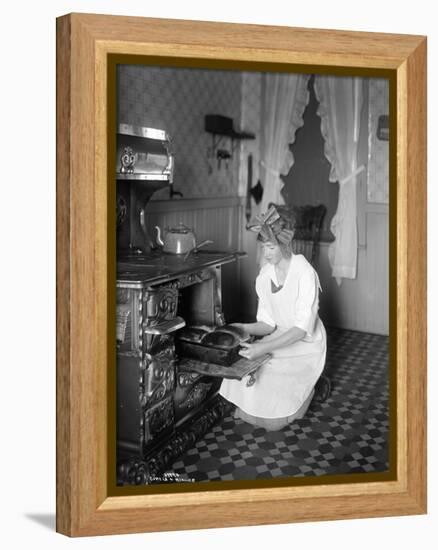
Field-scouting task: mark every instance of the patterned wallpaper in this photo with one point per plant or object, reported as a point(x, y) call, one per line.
point(378, 151)
point(176, 100)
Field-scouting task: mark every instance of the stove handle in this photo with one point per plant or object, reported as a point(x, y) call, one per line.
point(167, 327)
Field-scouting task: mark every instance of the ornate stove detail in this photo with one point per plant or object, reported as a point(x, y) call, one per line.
point(162, 409)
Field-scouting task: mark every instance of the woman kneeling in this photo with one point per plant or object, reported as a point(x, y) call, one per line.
point(292, 333)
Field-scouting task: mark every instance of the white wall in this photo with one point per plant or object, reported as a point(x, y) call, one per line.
point(28, 280)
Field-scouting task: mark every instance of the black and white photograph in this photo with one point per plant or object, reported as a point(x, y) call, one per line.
point(219, 236)
point(252, 290)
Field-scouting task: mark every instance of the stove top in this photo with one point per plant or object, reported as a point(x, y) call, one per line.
point(159, 267)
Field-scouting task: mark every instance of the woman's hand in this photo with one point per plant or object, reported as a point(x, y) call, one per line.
point(252, 351)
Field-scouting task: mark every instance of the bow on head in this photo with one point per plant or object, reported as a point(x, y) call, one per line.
point(273, 226)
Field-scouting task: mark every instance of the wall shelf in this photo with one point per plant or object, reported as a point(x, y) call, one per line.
point(221, 127)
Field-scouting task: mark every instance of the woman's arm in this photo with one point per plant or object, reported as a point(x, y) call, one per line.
point(255, 329)
point(253, 351)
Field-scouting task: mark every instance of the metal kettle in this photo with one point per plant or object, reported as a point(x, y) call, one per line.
point(178, 240)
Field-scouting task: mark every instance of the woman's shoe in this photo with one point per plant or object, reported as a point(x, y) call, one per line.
point(323, 388)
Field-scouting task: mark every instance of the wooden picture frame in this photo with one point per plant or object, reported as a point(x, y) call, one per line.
point(84, 42)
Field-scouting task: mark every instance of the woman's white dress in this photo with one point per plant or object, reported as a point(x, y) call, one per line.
point(285, 382)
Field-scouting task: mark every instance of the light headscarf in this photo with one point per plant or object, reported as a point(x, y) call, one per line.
point(276, 225)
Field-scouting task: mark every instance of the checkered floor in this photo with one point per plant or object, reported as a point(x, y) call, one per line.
point(348, 433)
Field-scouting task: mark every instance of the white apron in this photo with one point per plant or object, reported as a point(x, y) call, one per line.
point(285, 382)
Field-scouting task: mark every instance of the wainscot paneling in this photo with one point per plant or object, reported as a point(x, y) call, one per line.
point(216, 219)
point(363, 303)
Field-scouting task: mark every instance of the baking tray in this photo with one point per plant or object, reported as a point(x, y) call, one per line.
point(208, 354)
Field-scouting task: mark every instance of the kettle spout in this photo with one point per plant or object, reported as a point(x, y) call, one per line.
point(159, 239)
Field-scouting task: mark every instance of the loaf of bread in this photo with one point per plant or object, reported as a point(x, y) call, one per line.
point(225, 337)
point(192, 334)
point(220, 338)
point(237, 331)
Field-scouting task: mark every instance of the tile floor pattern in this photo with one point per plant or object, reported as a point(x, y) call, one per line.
point(348, 433)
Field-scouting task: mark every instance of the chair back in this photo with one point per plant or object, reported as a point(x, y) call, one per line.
point(308, 230)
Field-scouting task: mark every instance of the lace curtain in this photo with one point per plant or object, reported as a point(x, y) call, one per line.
point(285, 98)
point(340, 102)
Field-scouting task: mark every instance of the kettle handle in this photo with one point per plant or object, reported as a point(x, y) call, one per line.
point(194, 250)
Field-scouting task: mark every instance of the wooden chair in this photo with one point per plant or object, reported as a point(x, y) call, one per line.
point(308, 230)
